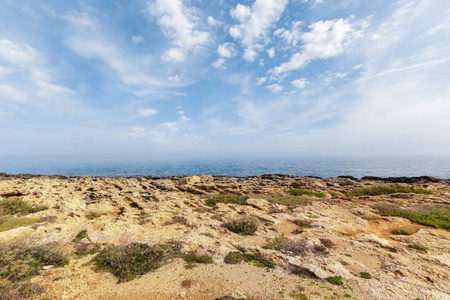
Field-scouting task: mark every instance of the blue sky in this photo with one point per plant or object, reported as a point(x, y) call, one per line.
point(192, 79)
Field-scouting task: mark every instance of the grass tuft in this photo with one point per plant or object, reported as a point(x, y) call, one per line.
point(436, 217)
point(418, 247)
point(234, 257)
point(365, 275)
point(337, 280)
point(80, 235)
point(15, 205)
point(404, 231)
point(302, 192)
point(385, 190)
point(225, 198)
point(8, 222)
point(243, 225)
point(127, 262)
point(200, 259)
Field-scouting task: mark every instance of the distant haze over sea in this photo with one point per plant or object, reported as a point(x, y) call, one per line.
point(325, 167)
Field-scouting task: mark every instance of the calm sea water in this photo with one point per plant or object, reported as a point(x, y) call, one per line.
point(437, 166)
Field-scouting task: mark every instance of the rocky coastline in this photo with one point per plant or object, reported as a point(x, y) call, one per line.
point(314, 238)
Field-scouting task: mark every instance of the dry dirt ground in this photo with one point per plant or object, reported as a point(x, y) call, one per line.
point(120, 211)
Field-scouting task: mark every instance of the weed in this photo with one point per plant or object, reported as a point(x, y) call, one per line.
point(418, 246)
point(225, 198)
point(272, 229)
point(23, 263)
point(8, 222)
point(86, 249)
point(320, 248)
point(326, 242)
point(243, 225)
point(303, 223)
point(290, 201)
point(200, 259)
point(15, 205)
point(384, 190)
point(337, 280)
point(404, 231)
point(365, 275)
point(344, 263)
point(93, 215)
point(437, 217)
point(347, 296)
point(302, 192)
point(234, 257)
point(127, 262)
point(282, 243)
point(258, 260)
point(80, 235)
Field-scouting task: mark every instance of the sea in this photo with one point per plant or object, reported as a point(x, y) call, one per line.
point(324, 167)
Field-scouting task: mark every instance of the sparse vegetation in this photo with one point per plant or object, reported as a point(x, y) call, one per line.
point(385, 190)
point(80, 235)
point(257, 260)
point(234, 257)
point(435, 217)
point(337, 280)
point(288, 200)
point(418, 247)
point(93, 215)
point(404, 231)
point(15, 205)
point(303, 223)
point(326, 242)
point(200, 259)
point(23, 263)
point(300, 296)
point(244, 225)
point(8, 222)
point(365, 275)
point(294, 247)
point(225, 198)
point(127, 262)
point(302, 192)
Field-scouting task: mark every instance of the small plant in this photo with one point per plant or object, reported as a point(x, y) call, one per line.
point(299, 296)
point(302, 192)
point(200, 259)
point(320, 248)
point(15, 205)
point(385, 190)
point(436, 217)
point(93, 215)
point(404, 231)
point(243, 225)
point(347, 295)
point(326, 242)
point(337, 280)
point(80, 235)
point(303, 223)
point(365, 275)
point(289, 200)
point(225, 198)
point(418, 246)
point(282, 243)
point(234, 257)
point(127, 262)
point(344, 263)
point(258, 260)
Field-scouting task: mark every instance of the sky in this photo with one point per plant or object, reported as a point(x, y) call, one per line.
point(224, 79)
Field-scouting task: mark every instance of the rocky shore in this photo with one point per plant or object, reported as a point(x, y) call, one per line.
point(315, 238)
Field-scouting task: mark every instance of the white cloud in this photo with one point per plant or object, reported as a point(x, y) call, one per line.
point(17, 54)
point(324, 40)
point(5, 71)
point(254, 24)
point(45, 88)
point(137, 39)
point(213, 22)
point(179, 23)
point(291, 37)
point(300, 83)
point(144, 113)
point(11, 94)
point(271, 52)
point(261, 80)
point(226, 50)
point(219, 63)
point(275, 88)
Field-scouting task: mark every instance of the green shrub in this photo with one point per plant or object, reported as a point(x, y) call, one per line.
point(225, 198)
point(418, 246)
point(365, 275)
point(337, 280)
point(435, 217)
point(303, 223)
point(243, 225)
point(299, 296)
point(200, 259)
point(127, 262)
point(385, 190)
point(15, 205)
point(288, 200)
point(234, 257)
point(302, 192)
point(404, 231)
